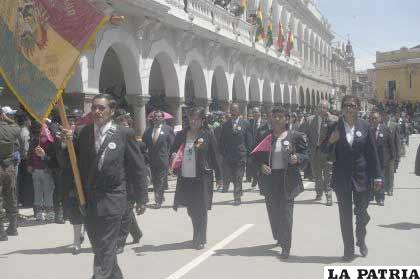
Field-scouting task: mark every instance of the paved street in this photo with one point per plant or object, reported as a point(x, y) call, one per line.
point(240, 244)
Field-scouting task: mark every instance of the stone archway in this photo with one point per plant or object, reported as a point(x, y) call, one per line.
point(219, 90)
point(277, 97)
point(318, 98)
point(301, 97)
point(286, 94)
point(195, 85)
point(313, 100)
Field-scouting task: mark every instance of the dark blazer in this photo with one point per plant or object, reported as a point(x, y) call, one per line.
point(395, 135)
point(384, 145)
point(106, 189)
point(206, 162)
point(235, 144)
point(254, 130)
point(354, 165)
point(293, 183)
point(159, 153)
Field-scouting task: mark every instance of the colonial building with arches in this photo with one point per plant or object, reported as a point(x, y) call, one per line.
point(168, 55)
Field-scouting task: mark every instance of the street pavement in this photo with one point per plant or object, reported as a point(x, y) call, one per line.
point(240, 244)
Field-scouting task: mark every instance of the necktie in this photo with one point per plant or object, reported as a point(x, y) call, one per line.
point(155, 135)
point(98, 136)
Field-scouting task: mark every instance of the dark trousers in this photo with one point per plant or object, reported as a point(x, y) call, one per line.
point(159, 180)
point(103, 232)
point(389, 177)
point(279, 209)
point(129, 225)
point(377, 195)
point(251, 172)
point(194, 200)
point(8, 193)
point(234, 174)
point(345, 205)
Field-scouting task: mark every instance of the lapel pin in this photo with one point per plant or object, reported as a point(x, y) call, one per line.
point(112, 145)
point(162, 133)
point(358, 134)
point(381, 135)
point(286, 142)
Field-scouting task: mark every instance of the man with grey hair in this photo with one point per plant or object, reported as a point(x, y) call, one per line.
point(316, 128)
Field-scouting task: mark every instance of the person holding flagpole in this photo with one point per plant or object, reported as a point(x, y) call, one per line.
point(194, 160)
point(280, 156)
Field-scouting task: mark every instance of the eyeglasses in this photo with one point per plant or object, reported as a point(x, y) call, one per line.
point(98, 107)
point(353, 106)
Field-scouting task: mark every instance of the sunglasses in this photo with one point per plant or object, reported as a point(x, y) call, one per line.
point(98, 107)
point(353, 106)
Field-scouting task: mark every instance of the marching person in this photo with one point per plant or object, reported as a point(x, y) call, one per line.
point(235, 144)
point(194, 162)
point(316, 129)
point(129, 223)
point(386, 152)
point(280, 156)
point(109, 159)
point(158, 140)
point(352, 145)
point(9, 144)
point(393, 164)
point(255, 123)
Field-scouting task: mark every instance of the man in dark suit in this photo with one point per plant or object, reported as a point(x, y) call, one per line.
point(386, 151)
point(255, 123)
point(109, 159)
point(316, 129)
point(158, 140)
point(393, 164)
point(235, 144)
point(351, 145)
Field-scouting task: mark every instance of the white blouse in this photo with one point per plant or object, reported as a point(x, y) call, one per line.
point(279, 155)
point(188, 167)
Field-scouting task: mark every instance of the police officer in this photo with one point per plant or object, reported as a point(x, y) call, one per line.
point(9, 144)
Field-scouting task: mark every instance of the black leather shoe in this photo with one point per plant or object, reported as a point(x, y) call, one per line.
point(12, 231)
point(285, 254)
point(237, 202)
point(136, 239)
point(3, 237)
point(348, 258)
point(381, 203)
point(329, 203)
point(278, 244)
point(363, 250)
point(199, 247)
point(120, 250)
point(318, 197)
point(157, 206)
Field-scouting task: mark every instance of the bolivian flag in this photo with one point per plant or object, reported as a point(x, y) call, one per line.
point(269, 39)
point(40, 43)
point(290, 43)
point(259, 34)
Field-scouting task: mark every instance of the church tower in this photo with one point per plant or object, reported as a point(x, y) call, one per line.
point(350, 57)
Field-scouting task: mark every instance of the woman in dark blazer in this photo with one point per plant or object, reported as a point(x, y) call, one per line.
point(351, 145)
point(194, 160)
point(280, 156)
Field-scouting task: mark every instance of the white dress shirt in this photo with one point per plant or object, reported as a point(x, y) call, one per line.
point(349, 133)
point(188, 163)
point(100, 134)
point(156, 132)
point(278, 159)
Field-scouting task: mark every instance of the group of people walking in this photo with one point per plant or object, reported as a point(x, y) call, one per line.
point(354, 157)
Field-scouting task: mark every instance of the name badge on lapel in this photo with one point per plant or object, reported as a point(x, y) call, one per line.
point(358, 134)
point(112, 145)
point(381, 135)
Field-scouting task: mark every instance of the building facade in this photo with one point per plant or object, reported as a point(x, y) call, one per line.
point(171, 54)
point(398, 75)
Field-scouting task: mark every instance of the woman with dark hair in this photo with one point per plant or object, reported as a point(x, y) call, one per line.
point(280, 155)
point(351, 145)
point(194, 160)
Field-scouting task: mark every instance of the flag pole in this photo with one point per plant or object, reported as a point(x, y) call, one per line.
point(72, 155)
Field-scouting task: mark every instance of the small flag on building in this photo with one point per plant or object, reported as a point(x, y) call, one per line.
point(280, 39)
point(269, 39)
point(259, 34)
point(290, 44)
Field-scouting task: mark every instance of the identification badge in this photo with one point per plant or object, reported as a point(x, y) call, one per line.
point(286, 142)
point(381, 135)
point(358, 134)
point(239, 128)
point(112, 145)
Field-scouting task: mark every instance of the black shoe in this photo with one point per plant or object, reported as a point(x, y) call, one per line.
point(224, 190)
point(157, 206)
point(120, 249)
point(348, 258)
point(278, 243)
point(199, 247)
point(329, 202)
point(136, 239)
point(3, 236)
point(237, 202)
point(390, 194)
point(381, 203)
point(363, 250)
point(12, 231)
point(318, 197)
point(285, 254)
